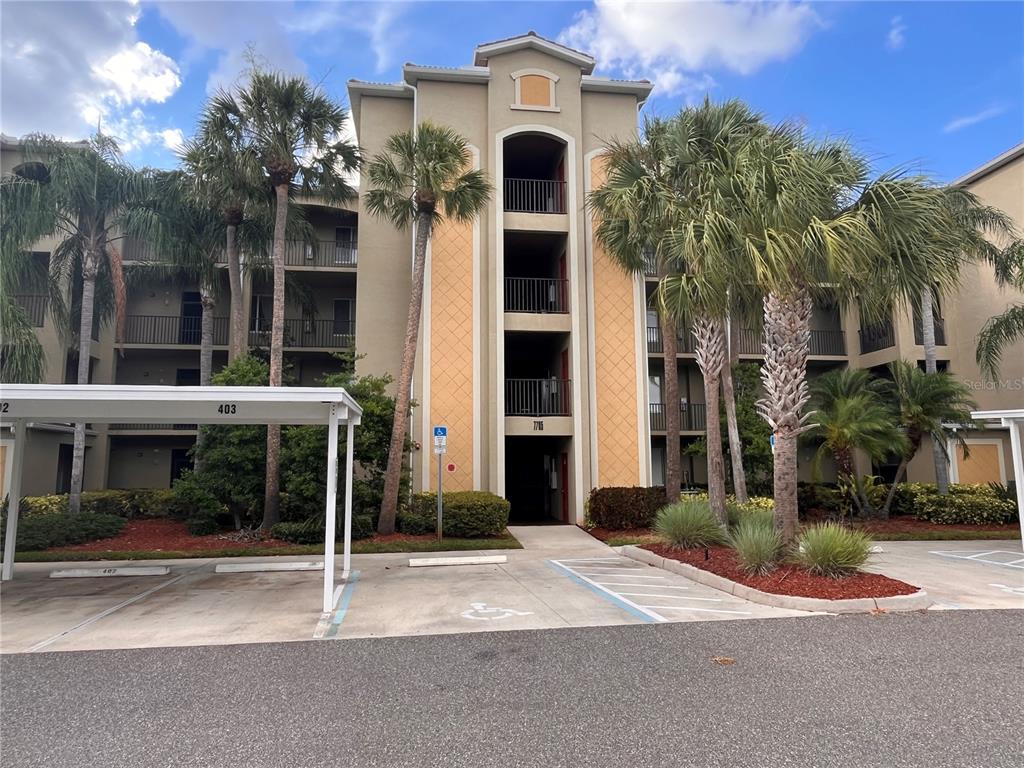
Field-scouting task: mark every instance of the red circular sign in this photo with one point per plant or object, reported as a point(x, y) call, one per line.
point(451, 466)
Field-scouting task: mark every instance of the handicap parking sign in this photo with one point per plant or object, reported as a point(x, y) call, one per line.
point(440, 431)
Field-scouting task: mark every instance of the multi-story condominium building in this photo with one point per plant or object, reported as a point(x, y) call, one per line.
point(536, 351)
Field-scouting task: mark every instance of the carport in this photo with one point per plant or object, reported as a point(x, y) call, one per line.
point(1013, 420)
point(112, 404)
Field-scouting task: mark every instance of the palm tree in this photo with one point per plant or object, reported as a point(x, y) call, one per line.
point(851, 415)
point(631, 207)
point(421, 178)
point(292, 129)
point(82, 201)
point(1006, 328)
point(929, 404)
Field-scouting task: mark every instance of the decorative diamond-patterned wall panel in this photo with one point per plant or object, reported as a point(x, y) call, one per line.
point(451, 350)
point(618, 449)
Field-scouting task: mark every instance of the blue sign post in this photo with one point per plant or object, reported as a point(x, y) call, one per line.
point(440, 449)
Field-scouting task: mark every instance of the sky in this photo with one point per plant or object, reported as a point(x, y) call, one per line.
point(937, 87)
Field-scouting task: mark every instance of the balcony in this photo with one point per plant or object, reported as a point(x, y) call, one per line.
point(534, 196)
point(692, 417)
point(34, 305)
point(174, 330)
point(544, 295)
point(655, 345)
point(828, 343)
point(876, 337)
point(304, 333)
point(318, 253)
point(538, 397)
point(940, 332)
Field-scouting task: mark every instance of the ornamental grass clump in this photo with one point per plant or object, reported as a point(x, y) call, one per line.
point(758, 546)
point(747, 513)
point(832, 550)
point(688, 524)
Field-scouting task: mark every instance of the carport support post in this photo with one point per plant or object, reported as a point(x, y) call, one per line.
point(1017, 451)
point(346, 562)
point(329, 521)
point(14, 499)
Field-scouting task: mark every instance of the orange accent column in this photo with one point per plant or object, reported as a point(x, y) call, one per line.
point(451, 351)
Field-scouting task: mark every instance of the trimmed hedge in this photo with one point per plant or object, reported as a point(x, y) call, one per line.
point(965, 505)
point(61, 529)
point(617, 508)
point(307, 533)
point(467, 514)
point(129, 503)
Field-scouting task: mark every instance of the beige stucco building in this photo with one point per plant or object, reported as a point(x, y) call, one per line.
point(536, 351)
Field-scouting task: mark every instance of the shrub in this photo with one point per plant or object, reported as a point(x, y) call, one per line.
point(61, 529)
point(202, 525)
point(689, 523)
point(758, 546)
point(818, 496)
point(747, 513)
point(130, 502)
point(467, 514)
point(965, 508)
point(832, 550)
point(202, 512)
point(307, 532)
point(618, 508)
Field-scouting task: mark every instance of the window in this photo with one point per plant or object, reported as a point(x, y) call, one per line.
point(535, 90)
point(344, 316)
point(262, 312)
point(345, 246)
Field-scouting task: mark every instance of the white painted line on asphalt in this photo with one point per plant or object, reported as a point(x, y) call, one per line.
point(959, 554)
point(690, 608)
point(609, 568)
point(611, 593)
point(476, 560)
point(92, 619)
point(674, 597)
point(980, 554)
point(260, 567)
point(590, 560)
point(634, 584)
point(91, 573)
point(622, 576)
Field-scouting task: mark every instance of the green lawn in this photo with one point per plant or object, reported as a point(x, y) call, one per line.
point(360, 547)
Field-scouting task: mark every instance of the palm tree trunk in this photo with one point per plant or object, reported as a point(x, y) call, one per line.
point(90, 266)
point(710, 351)
point(787, 334)
point(669, 340)
point(236, 343)
point(930, 366)
point(884, 512)
point(271, 495)
point(739, 475)
point(396, 451)
point(205, 363)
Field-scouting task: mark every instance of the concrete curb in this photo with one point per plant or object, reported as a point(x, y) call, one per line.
point(918, 601)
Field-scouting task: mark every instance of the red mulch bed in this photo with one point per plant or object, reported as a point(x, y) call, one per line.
point(172, 535)
point(910, 525)
point(788, 579)
point(607, 533)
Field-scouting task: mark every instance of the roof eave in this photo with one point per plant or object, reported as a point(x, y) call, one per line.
point(991, 166)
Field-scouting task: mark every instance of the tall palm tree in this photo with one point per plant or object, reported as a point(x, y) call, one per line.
point(632, 206)
point(929, 404)
point(818, 223)
point(420, 179)
point(82, 201)
point(850, 414)
point(294, 132)
point(1006, 328)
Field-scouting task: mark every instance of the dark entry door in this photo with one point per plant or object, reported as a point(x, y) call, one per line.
point(180, 461)
point(191, 318)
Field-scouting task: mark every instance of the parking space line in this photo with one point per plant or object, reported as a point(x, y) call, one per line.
point(977, 557)
point(328, 627)
point(620, 576)
point(589, 559)
point(634, 584)
point(674, 597)
point(93, 619)
point(691, 608)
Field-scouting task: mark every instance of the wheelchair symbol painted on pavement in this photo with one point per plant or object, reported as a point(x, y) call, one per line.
point(483, 613)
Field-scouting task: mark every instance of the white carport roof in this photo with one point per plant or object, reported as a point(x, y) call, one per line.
point(1012, 419)
point(114, 404)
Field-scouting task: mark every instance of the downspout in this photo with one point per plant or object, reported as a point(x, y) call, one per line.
point(412, 258)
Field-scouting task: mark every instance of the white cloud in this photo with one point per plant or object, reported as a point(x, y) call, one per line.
point(662, 41)
point(72, 65)
point(966, 121)
point(897, 36)
point(173, 138)
point(139, 74)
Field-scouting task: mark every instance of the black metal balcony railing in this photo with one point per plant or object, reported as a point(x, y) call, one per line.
point(940, 331)
point(34, 305)
point(534, 196)
point(303, 333)
point(150, 427)
point(172, 329)
point(876, 337)
point(748, 341)
point(319, 253)
point(831, 342)
point(684, 341)
point(692, 417)
point(536, 294)
point(538, 397)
